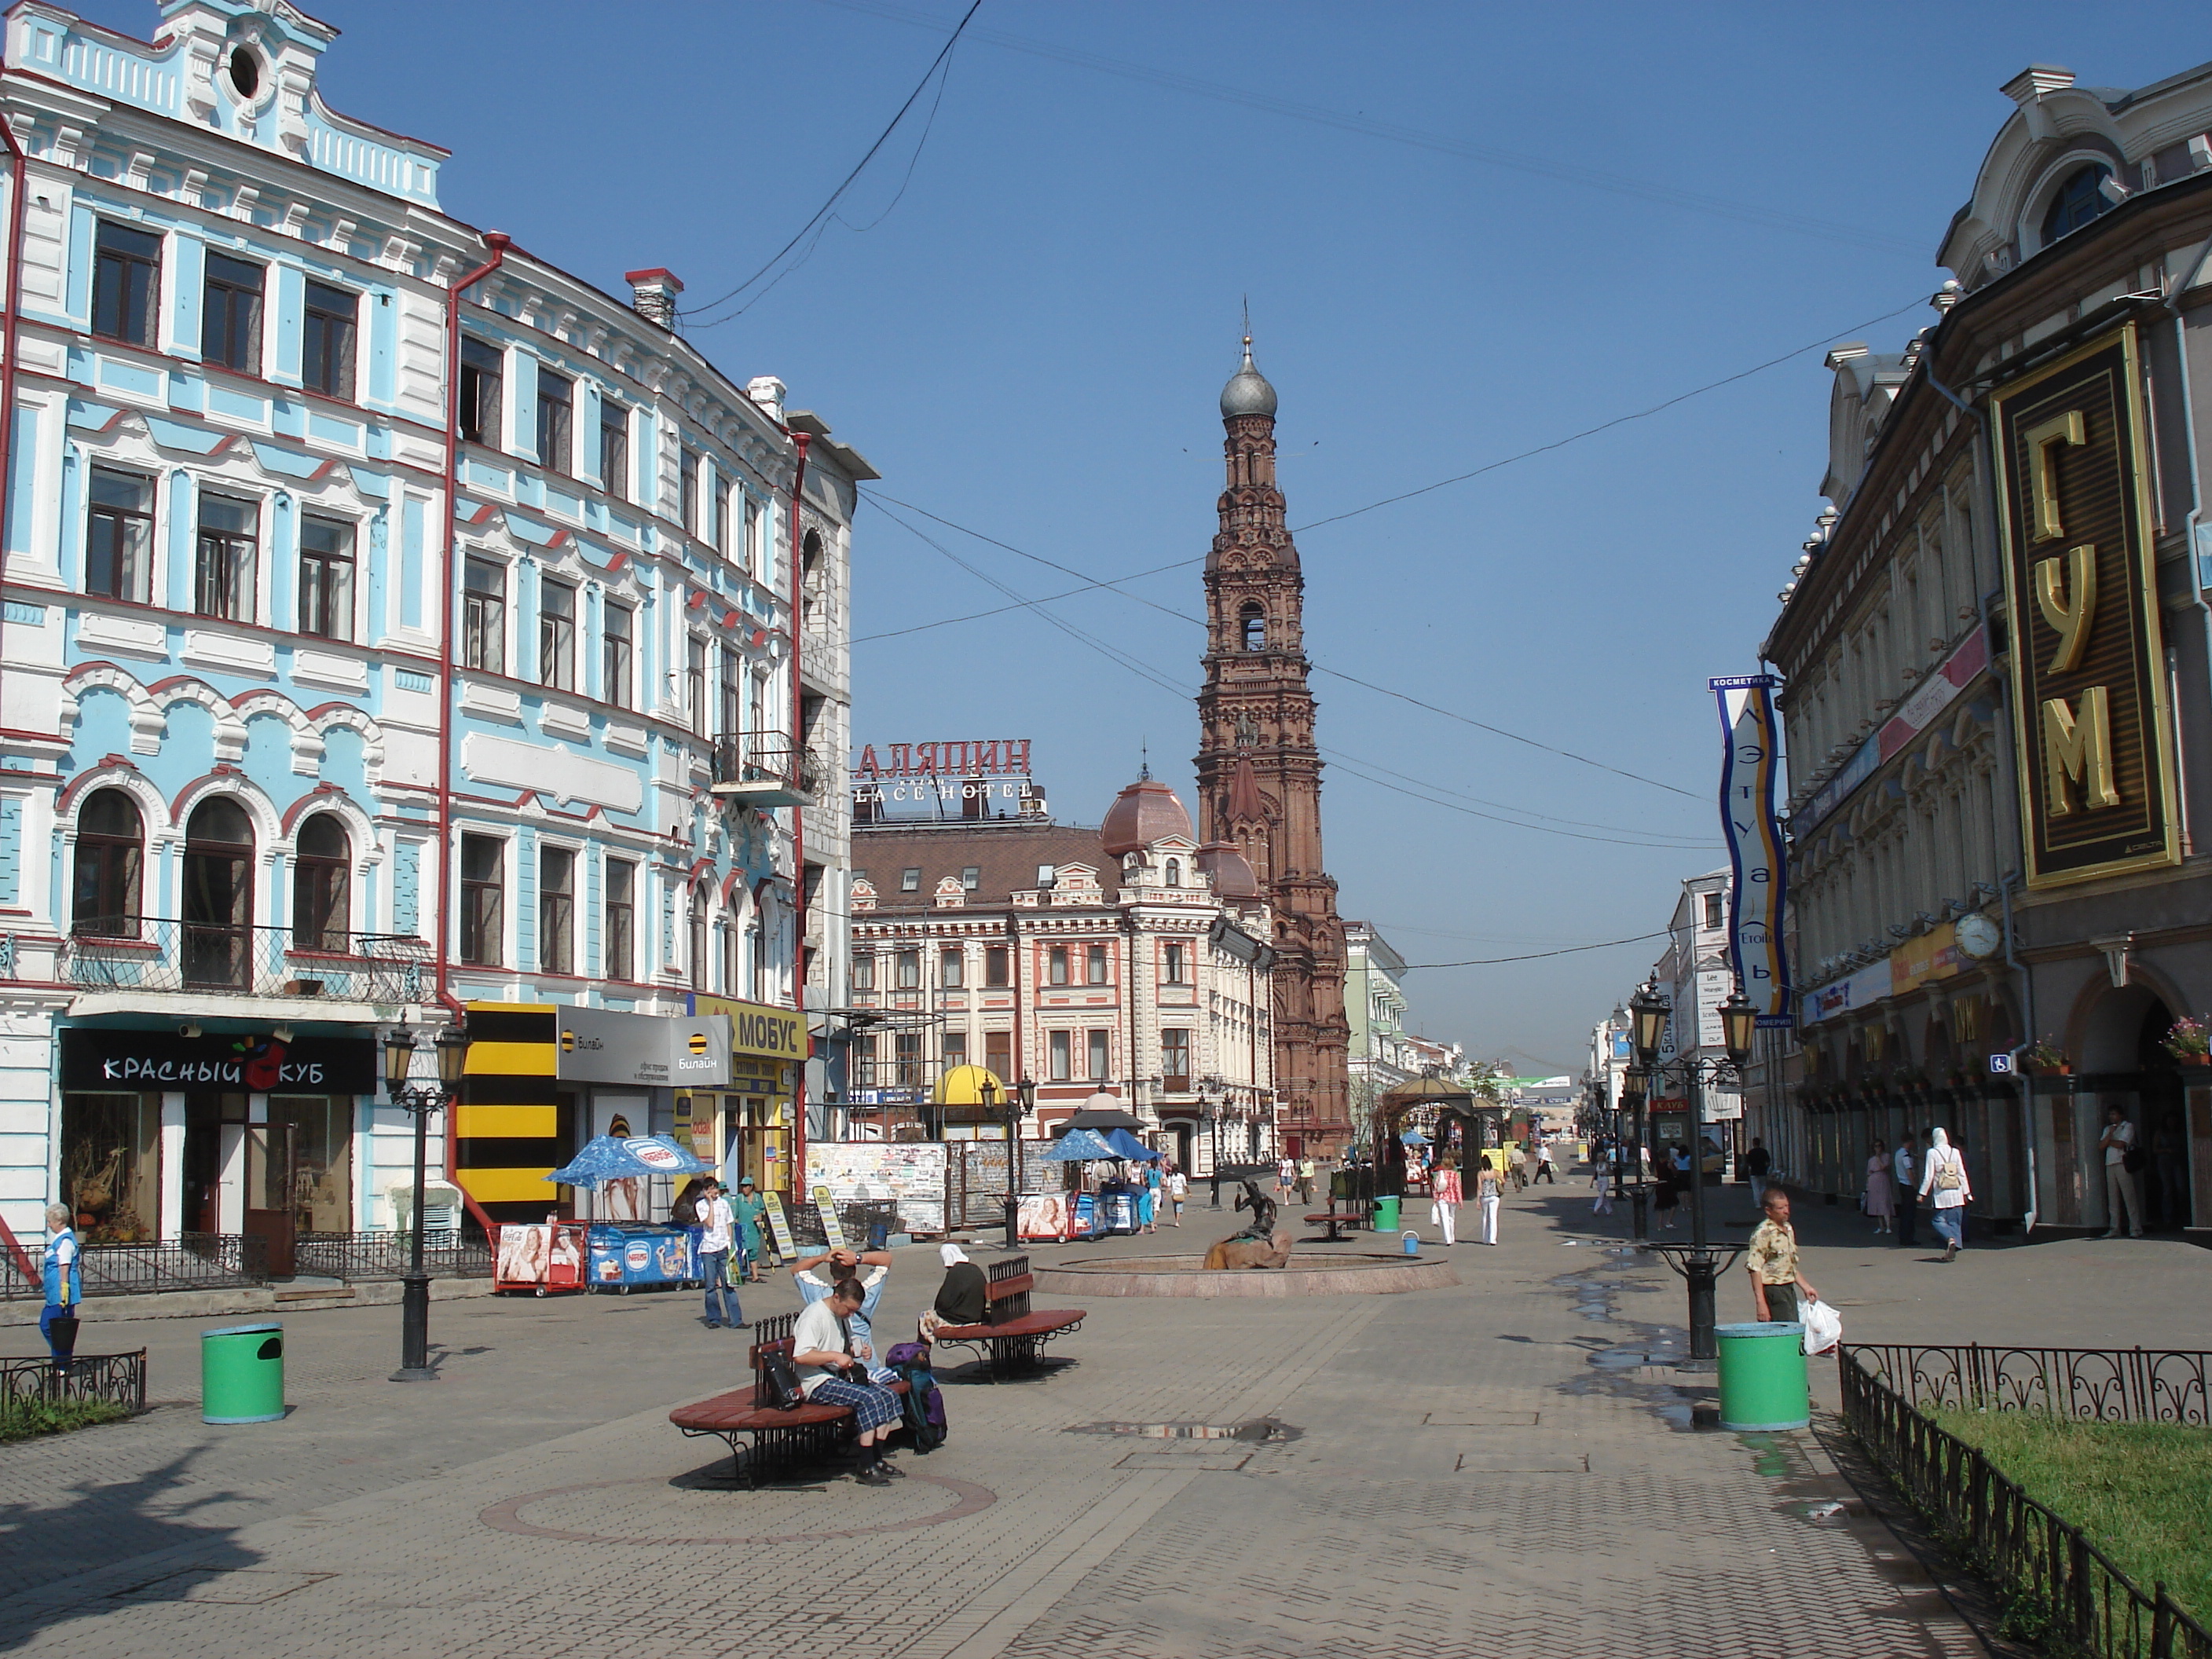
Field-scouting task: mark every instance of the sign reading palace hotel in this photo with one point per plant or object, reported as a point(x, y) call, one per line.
point(2096, 769)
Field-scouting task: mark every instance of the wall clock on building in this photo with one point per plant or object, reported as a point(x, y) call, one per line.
point(1978, 936)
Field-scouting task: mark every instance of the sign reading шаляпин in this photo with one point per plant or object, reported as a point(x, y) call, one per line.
point(127, 1062)
point(2096, 770)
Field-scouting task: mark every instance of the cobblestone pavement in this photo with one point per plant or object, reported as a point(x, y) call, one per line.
point(1492, 1469)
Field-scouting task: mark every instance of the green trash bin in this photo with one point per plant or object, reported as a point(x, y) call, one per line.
point(1763, 1375)
point(242, 1374)
point(1386, 1215)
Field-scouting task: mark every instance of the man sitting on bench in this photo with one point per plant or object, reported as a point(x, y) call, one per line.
point(846, 1264)
point(822, 1349)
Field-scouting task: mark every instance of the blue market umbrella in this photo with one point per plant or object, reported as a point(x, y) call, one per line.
point(1126, 1144)
point(1082, 1147)
point(611, 1157)
point(1414, 1138)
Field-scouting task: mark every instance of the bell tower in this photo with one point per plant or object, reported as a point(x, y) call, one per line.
point(1259, 773)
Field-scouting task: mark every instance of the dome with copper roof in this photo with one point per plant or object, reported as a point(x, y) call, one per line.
point(1146, 811)
point(1231, 873)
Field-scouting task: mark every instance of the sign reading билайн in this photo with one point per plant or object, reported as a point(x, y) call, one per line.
point(2096, 769)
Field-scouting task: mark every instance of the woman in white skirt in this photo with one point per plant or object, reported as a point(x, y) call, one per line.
point(1487, 1191)
point(1444, 1198)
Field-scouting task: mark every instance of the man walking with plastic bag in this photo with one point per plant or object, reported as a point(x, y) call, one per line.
point(1775, 1276)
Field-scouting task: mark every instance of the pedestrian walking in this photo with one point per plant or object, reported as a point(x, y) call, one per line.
point(1601, 1154)
point(1540, 1156)
point(1771, 1256)
point(720, 1221)
point(1488, 1190)
point(1287, 1177)
point(1905, 1166)
point(1306, 1179)
point(1756, 1163)
point(1444, 1198)
point(1178, 1193)
point(752, 1211)
point(64, 1277)
point(1148, 1198)
point(1944, 1175)
point(1666, 1192)
point(2123, 1158)
point(1880, 1189)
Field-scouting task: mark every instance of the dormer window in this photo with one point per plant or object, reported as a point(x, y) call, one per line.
point(245, 73)
point(1254, 621)
point(1175, 873)
point(2080, 200)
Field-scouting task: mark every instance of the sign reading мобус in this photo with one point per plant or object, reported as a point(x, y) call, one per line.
point(2096, 771)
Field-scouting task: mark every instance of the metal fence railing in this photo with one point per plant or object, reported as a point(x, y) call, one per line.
point(351, 1256)
point(190, 1261)
point(117, 1378)
point(2112, 1385)
point(153, 953)
point(2062, 1592)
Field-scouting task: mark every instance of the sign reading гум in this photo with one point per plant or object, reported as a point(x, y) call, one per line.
point(2096, 770)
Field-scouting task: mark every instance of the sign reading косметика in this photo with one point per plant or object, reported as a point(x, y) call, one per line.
point(2096, 766)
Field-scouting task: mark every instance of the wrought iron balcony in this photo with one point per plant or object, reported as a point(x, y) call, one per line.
point(764, 769)
point(148, 953)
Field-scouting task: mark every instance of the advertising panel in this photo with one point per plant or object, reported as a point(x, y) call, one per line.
point(1754, 834)
point(600, 1045)
point(2095, 765)
point(912, 1173)
point(755, 1029)
point(111, 1061)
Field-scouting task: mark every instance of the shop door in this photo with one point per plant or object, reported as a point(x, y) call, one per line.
point(209, 1118)
point(269, 1172)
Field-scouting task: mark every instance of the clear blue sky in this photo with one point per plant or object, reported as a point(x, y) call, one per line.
point(1031, 340)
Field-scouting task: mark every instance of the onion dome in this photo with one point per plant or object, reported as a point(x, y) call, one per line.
point(1231, 875)
point(1146, 811)
point(1247, 391)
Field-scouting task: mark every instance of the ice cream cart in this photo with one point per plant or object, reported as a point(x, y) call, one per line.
point(623, 1254)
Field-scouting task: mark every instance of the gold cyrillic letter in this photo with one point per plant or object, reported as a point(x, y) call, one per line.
point(2068, 608)
point(2043, 489)
point(2078, 748)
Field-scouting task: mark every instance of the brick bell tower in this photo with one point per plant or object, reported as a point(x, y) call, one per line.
point(1259, 774)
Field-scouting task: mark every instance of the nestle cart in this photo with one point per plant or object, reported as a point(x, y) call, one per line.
point(622, 1255)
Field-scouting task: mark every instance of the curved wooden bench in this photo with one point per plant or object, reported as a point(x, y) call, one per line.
point(1011, 1338)
point(779, 1440)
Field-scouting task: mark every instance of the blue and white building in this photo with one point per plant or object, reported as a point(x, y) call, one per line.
point(317, 717)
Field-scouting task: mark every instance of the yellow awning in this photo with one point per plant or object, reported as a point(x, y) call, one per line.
point(964, 1085)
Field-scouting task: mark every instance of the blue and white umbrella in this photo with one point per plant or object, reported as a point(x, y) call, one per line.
point(1082, 1147)
point(613, 1157)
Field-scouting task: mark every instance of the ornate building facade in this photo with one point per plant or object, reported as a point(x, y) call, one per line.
point(1259, 773)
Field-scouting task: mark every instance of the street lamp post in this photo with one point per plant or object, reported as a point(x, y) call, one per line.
point(1639, 1190)
point(1209, 1119)
point(419, 1101)
point(1700, 1265)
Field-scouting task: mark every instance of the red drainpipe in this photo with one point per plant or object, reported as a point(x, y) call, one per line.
point(799, 845)
point(20, 187)
point(498, 242)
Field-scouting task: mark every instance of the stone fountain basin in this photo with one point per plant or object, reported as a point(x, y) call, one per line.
point(1307, 1274)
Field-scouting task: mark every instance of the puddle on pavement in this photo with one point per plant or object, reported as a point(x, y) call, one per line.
point(1597, 1292)
point(1257, 1431)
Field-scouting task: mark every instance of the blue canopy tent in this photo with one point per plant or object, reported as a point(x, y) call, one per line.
point(610, 1158)
point(1414, 1138)
point(1127, 1145)
point(1082, 1147)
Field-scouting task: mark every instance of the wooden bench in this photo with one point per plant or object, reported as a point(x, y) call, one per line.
point(1336, 1222)
point(1010, 1337)
point(781, 1440)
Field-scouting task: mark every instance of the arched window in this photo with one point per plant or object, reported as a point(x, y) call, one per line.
point(322, 885)
point(697, 931)
point(1254, 622)
point(811, 571)
point(110, 842)
point(1175, 873)
point(218, 908)
point(2078, 202)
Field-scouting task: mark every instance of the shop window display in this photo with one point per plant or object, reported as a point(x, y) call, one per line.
point(111, 1172)
point(322, 1159)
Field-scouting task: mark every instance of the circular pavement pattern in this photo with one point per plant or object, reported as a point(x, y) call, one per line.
point(653, 1511)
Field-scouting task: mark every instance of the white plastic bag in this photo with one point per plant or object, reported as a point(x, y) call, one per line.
point(1824, 1327)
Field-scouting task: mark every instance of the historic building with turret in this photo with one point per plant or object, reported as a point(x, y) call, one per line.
point(1259, 773)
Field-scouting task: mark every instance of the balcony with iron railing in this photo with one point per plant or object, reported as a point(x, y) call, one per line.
point(155, 954)
point(764, 769)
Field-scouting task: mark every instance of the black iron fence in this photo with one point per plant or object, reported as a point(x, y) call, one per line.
point(2062, 1593)
point(765, 758)
point(117, 1378)
point(445, 1254)
point(2110, 1385)
point(190, 1261)
point(151, 953)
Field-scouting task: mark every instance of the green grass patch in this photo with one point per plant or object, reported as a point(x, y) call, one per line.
point(26, 1419)
point(2137, 1490)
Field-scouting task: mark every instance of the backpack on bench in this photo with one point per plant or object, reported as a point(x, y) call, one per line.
point(924, 1404)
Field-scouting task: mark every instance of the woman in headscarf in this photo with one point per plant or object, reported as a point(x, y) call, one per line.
point(964, 1297)
point(1943, 1174)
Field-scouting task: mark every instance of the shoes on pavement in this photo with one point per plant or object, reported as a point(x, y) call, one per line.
point(876, 1475)
point(892, 1469)
point(713, 1325)
point(1950, 1248)
point(2113, 1234)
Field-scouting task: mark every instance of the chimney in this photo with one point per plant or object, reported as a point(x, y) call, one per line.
point(769, 393)
point(653, 294)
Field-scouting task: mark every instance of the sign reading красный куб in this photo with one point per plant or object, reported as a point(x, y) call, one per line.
point(2096, 769)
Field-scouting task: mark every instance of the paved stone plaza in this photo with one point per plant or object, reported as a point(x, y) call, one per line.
point(1495, 1468)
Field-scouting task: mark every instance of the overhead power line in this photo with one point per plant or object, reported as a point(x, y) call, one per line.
point(694, 317)
point(1539, 955)
point(1346, 121)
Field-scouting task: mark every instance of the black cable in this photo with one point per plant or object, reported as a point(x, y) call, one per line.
point(821, 213)
point(1539, 955)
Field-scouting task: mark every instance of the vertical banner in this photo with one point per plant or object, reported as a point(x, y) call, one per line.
point(1748, 771)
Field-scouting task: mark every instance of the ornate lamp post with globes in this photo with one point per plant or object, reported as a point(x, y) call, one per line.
point(1699, 1262)
point(419, 1100)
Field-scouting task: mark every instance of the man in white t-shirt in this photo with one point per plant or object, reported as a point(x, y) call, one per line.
point(2122, 1191)
point(822, 1349)
point(718, 1222)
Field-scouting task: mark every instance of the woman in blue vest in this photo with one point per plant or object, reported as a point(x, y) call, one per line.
point(64, 1276)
